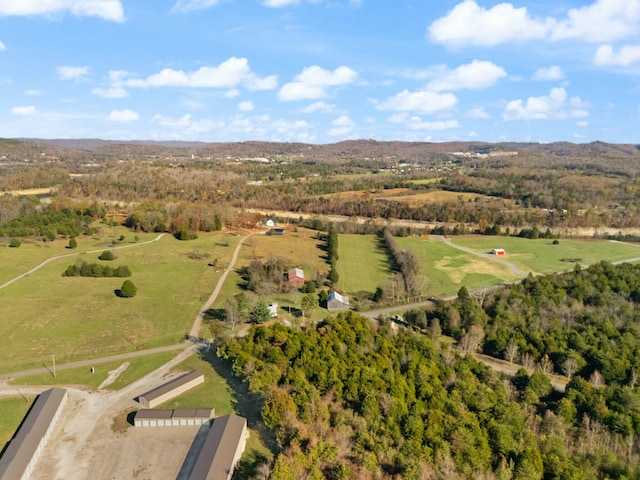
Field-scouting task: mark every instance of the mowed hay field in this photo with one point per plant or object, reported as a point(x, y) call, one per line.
point(541, 256)
point(363, 265)
point(448, 269)
point(73, 318)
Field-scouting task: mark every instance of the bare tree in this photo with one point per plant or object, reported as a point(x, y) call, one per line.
point(528, 362)
point(472, 340)
point(511, 352)
point(596, 379)
point(546, 365)
point(569, 367)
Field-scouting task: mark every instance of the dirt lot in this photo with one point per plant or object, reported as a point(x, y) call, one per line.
point(85, 446)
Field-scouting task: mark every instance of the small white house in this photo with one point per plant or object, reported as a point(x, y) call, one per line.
point(273, 310)
point(270, 222)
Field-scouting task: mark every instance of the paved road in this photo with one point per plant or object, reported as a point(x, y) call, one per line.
point(37, 267)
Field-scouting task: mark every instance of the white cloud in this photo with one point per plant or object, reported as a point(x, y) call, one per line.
point(33, 92)
point(582, 124)
point(246, 106)
point(475, 75)
point(319, 107)
point(417, 124)
point(123, 116)
point(111, 92)
point(420, 102)
point(2, 46)
point(470, 24)
point(279, 3)
point(549, 74)
point(602, 21)
point(233, 93)
point(313, 82)
point(607, 56)
point(72, 73)
point(105, 9)
point(478, 113)
point(556, 105)
point(342, 126)
point(229, 74)
point(188, 6)
point(24, 111)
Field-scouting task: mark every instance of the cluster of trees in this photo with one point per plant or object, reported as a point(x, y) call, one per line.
point(48, 223)
point(350, 400)
point(267, 278)
point(407, 263)
point(87, 269)
point(583, 324)
point(332, 255)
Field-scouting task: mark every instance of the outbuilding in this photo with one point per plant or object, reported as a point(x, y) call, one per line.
point(335, 301)
point(170, 389)
point(498, 251)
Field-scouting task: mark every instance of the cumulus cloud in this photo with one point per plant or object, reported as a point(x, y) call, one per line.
point(549, 74)
point(469, 24)
point(557, 105)
point(246, 106)
point(111, 92)
point(343, 125)
point(607, 56)
point(188, 6)
point(313, 83)
point(229, 74)
point(601, 21)
point(2, 46)
point(33, 92)
point(106, 9)
point(318, 107)
point(279, 3)
point(478, 113)
point(72, 73)
point(475, 75)
point(123, 116)
point(414, 122)
point(24, 111)
point(423, 101)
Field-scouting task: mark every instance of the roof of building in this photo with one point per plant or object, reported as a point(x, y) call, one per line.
point(336, 296)
point(171, 385)
point(24, 444)
point(296, 272)
point(217, 455)
point(153, 414)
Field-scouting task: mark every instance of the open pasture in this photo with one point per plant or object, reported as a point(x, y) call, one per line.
point(363, 264)
point(542, 256)
point(448, 269)
point(73, 318)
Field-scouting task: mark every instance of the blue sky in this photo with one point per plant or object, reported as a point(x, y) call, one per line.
point(321, 71)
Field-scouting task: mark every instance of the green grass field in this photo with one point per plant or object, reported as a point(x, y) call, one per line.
point(13, 411)
point(541, 256)
point(362, 263)
point(226, 394)
point(76, 318)
point(138, 368)
point(448, 269)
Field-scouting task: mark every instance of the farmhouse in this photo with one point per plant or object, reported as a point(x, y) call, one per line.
point(222, 449)
point(179, 417)
point(170, 389)
point(497, 251)
point(276, 231)
point(335, 301)
point(273, 310)
point(270, 222)
point(20, 457)
point(296, 277)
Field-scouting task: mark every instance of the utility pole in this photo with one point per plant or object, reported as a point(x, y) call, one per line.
point(54, 366)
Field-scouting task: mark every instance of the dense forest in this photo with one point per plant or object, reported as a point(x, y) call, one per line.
point(351, 399)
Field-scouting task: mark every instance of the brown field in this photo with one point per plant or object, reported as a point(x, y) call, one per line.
point(410, 196)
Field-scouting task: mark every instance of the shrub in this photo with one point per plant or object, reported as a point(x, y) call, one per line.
point(107, 255)
point(128, 289)
point(15, 243)
point(73, 243)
